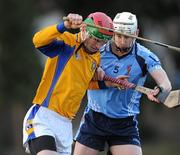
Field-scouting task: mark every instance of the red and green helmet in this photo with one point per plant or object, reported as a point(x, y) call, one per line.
point(100, 19)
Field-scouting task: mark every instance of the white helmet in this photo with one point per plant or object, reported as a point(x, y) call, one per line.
point(125, 22)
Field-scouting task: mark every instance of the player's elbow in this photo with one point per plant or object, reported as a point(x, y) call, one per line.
point(35, 40)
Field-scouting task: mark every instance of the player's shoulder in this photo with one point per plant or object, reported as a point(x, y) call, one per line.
point(145, 53)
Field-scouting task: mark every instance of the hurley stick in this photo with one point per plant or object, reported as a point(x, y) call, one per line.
point(133, 36)
point(170, 99)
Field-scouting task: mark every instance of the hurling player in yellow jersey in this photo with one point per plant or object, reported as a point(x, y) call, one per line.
point(70, 66)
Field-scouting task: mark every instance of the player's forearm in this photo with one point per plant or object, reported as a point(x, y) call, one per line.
point(162, 80)
point(166, 85)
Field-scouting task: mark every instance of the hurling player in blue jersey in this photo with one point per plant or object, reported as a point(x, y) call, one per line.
point(111, 116)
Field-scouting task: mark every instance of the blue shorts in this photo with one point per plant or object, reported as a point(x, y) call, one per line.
point(98, 129)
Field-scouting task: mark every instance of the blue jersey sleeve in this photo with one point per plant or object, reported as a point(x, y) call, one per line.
point(151, 60)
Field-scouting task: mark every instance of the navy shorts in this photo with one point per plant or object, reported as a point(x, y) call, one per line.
point(98, 129)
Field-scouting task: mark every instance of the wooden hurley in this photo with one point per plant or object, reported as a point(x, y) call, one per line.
point(170, 99)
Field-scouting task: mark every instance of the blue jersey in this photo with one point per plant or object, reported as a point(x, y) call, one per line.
point(136, 64)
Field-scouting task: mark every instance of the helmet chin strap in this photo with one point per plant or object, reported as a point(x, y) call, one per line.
point(123, 49)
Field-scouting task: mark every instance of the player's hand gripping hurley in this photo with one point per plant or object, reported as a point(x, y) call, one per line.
point(172, 99)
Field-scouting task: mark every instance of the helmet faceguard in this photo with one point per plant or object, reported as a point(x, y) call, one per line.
point(125, 22)
point(100, 19)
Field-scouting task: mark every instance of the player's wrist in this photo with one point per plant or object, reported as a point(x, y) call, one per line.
point(61, 27)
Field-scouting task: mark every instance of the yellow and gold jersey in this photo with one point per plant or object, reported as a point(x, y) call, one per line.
point(67, 72)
